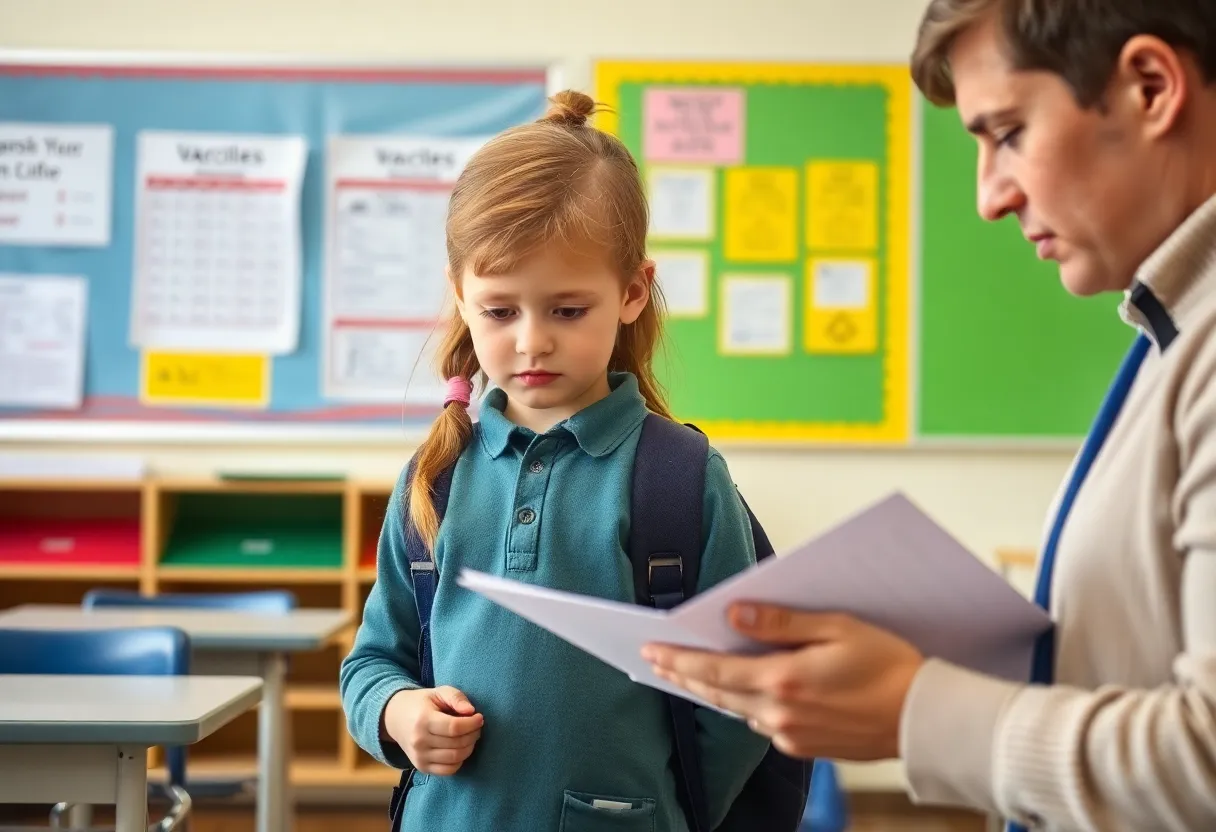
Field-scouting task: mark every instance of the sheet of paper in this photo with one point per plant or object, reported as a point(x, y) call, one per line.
point(842, 206)
point(55, 184)
point(42, 338)
point(755, 315)
point(203, 380)
point(890, 565)
point(700, 125)
point(683, 277)
point(217, 242)
point(385, 281)
point(612, 632)
point(681, 203)
point(761, 219)
point(842, 307)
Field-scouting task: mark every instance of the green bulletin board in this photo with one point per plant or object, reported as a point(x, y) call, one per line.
point(779, 193)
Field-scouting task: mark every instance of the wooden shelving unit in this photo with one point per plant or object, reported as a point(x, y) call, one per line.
point(60, 538)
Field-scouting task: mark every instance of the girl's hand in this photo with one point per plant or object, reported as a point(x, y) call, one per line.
point(435, 727)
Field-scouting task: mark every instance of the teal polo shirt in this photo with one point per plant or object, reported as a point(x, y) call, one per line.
point(562, 728)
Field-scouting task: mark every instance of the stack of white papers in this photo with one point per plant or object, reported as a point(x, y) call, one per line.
point(890, 565)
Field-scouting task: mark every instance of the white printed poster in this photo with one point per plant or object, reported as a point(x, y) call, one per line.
point(42, 346)
point(218, 242)
point(681, 203)
point(385, 284)
point(756, 315)
point(55, 184)
point(683, 277)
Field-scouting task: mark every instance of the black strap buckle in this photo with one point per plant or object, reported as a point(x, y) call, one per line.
point(661, 561)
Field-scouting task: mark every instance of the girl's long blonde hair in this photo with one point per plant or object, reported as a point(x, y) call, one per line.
point(555, 180)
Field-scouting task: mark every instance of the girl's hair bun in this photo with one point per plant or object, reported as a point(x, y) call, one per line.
point(570, 108)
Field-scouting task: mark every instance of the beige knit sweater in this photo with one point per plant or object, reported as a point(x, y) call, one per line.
point(1126, 738)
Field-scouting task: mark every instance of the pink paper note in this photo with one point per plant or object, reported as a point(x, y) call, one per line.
point(693, 125)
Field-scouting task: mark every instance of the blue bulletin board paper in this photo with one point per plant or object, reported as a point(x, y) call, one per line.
point(270, 97)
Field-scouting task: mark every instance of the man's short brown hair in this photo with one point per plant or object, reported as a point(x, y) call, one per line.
point(1079, 40)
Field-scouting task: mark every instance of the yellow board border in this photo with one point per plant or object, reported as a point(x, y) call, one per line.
point(895, 427)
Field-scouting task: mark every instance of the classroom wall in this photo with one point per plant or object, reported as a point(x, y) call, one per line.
point(989, 498)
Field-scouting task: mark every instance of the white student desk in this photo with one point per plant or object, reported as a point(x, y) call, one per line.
point(86, 738)
point(224, 643)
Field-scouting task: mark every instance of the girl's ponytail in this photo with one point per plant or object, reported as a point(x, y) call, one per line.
point(450, 432)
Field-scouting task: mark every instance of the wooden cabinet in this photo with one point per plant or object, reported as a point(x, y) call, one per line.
point(316, 538)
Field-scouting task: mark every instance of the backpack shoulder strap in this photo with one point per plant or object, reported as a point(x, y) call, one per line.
point(423, 574)
point(425, 580)
point(665, 550)
point(668, 482)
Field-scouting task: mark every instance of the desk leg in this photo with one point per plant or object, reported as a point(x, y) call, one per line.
point(80, 816)
point(131, 799)
point(275, 812)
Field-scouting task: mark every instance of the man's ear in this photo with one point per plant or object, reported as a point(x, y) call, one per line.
point(1154, 79)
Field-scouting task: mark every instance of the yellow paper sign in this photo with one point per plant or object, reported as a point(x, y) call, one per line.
point(171, 378)
point(841, 307)
point(842, 206)
point(761, 214)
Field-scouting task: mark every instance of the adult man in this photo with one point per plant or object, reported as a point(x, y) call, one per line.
point(1096, 125)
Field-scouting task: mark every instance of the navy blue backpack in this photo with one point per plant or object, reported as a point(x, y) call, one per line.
point(668, 483)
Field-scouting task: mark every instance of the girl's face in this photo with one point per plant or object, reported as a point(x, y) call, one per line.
point(544, 332)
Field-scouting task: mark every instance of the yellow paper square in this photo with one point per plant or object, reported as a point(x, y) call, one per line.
point(842, 206)
point(761, 214)
point(841, 306)
point(206, 380)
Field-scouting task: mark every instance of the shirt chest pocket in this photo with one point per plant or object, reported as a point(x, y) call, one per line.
point(598, 813)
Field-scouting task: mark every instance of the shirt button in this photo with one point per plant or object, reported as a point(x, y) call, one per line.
point(536, 467)
point(526, 516)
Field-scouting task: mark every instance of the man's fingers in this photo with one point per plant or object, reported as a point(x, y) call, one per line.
point(786, 627)
point(716, 670)
point(744, 705)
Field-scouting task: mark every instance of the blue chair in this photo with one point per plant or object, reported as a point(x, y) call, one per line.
point(827, 808)
point(268, 602)
point(137, 651)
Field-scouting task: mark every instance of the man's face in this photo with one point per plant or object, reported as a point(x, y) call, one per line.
point(1082, 183)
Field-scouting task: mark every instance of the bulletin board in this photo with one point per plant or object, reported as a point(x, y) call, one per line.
point(1005, 352)
point(806, 169)
point(135, 93)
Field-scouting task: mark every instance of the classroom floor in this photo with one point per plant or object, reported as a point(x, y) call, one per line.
point(884, 814)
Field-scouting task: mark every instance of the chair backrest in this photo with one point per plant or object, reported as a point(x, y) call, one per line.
point(271, 602)
point(135, 651)
point(127, 651)
point(268, 602)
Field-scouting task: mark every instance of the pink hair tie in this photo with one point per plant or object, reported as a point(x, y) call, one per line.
point(459, 391)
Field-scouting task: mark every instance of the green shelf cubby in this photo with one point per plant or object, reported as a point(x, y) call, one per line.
point(255, 531)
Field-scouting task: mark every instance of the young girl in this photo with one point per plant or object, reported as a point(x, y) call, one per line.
point(546, 236)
